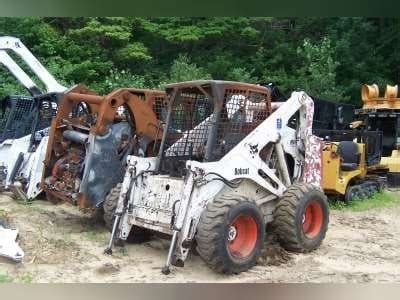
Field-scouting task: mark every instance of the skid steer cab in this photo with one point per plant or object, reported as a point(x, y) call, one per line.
point(24, 128)
point(352, 163)
point(91, 137)
point(227, 166)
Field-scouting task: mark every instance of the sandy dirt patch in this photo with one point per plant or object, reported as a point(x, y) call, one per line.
point(62, 244)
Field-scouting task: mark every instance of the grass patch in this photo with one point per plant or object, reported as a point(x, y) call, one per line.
point(4, 278)
point(3, 213)
point(383, 199)
point(24, 278)
point(21, 278)
point(66, 237)
point(34, 207)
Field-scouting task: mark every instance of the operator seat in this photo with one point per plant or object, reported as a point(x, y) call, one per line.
point(348, 151)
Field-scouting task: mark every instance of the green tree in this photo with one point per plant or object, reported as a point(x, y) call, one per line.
point(327, 57)
point(318, 74)
point(183, 70)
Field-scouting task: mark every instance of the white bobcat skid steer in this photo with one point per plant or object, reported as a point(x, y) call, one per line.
point(227, 167)
point(24, 122)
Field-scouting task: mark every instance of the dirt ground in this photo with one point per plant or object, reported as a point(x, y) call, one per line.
point(61, 244)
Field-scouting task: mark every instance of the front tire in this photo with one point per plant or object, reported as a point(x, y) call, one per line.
point(301, 218)
point(230, 234)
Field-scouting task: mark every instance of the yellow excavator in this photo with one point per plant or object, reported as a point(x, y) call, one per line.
point(360, 161)
point(351, 163)
point(383, 114)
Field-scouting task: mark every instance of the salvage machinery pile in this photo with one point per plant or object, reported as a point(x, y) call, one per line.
point(211, 165)
point(91, 137)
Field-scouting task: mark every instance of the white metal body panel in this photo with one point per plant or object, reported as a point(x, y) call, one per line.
point(9, 247)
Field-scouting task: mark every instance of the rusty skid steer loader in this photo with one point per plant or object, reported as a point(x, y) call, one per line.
point(91, 137)
point(227, 166)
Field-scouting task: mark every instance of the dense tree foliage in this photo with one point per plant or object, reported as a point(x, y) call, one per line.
point(329, 57)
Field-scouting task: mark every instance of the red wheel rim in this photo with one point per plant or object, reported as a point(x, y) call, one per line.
point(242, 236)
point(312, 219)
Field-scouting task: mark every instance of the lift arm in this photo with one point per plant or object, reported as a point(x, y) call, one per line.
point(18, 73)
point(14, 44)
point(244, 160)
point(270, 129)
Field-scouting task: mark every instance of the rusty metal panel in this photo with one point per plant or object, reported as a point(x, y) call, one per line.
point(91, 136)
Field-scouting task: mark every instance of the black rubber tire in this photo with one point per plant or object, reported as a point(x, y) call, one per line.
point(393, 179)
point(137, 234)
point(3, 177)
point(369, 188)
point(289, 214)
point(212, 233)
point(110, 204)
point(352, 192)
point(364, 192)
point(361, 191)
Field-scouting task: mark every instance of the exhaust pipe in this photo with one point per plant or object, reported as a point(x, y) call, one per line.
point(75, 136)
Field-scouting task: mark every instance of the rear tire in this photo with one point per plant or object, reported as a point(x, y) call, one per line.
point(301, 218)
point(3, 177)
point(137, 234)
point(230, 234)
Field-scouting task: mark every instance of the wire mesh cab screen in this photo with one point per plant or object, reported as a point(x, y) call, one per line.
point(189, 125)
point(160, 107)
point(16, 117)
point(21, 116)
point(208, 120)
point(243, 110)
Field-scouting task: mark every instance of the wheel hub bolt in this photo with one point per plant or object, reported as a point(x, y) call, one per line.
point(232, 233)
